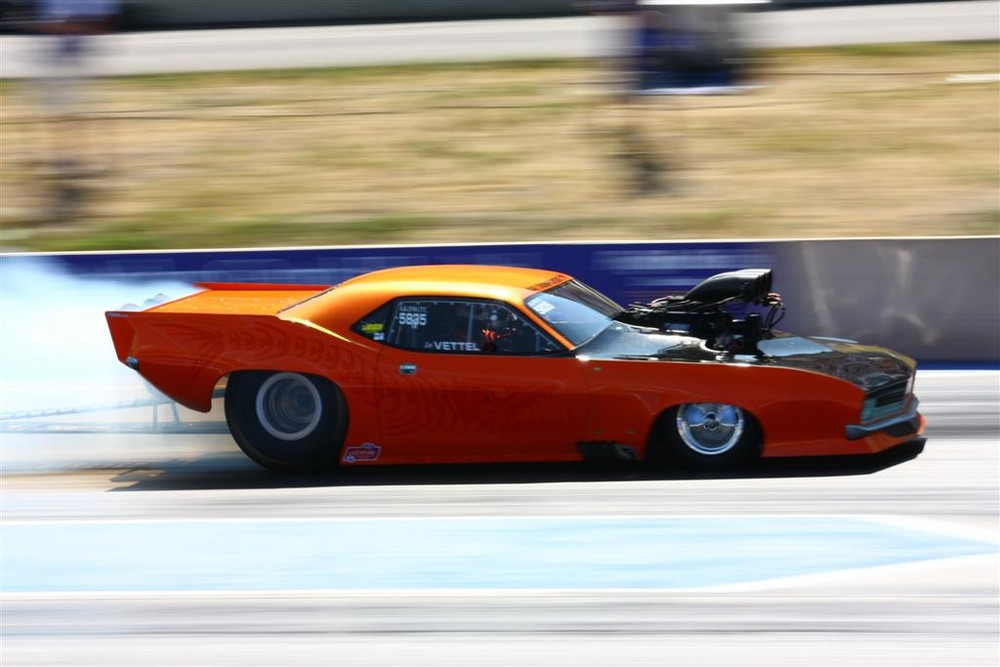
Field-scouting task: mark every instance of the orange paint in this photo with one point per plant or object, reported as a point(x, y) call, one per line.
point(458, 407)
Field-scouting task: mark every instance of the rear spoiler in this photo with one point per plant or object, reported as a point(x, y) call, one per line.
point(213, 299)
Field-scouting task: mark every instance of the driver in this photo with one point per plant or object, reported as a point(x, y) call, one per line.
point(496, 328)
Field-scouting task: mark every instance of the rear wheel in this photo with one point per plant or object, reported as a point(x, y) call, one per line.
point(286, 421)
point(707, 435)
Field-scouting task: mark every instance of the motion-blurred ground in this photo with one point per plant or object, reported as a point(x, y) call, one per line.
point(852, 141)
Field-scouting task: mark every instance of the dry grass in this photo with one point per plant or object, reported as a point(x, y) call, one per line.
point(838, 142)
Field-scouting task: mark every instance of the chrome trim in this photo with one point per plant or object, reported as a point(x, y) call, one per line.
point(858, 431)
point(710, 429)
point(281, 410)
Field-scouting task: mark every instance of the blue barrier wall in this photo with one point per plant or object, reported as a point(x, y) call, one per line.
point(934, 299)
point(625, 271)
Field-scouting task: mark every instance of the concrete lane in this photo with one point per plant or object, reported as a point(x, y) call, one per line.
point(936, 612)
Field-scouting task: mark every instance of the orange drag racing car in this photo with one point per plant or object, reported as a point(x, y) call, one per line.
point(469, 364)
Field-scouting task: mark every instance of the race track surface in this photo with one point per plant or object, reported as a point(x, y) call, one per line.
point(127, 548)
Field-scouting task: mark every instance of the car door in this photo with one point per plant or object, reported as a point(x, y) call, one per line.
point(475, 380)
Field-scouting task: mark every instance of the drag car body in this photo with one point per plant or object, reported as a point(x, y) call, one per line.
point(477, 363)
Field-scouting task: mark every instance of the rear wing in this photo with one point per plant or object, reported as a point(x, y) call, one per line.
point(240, 298)
point(214, 299)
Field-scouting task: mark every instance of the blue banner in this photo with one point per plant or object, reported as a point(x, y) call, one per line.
point(923, 297)
point(626, 272)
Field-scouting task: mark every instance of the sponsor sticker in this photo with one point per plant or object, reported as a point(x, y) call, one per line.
point(541, 307)
point(365, 452)
point(412, 316)
point(554, 280)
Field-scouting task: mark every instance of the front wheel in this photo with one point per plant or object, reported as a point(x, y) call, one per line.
point(286, 421)
point(707, 435)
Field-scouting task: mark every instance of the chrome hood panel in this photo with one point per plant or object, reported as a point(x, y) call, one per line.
point(867, 366)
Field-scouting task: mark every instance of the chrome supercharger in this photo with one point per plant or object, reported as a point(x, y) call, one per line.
point(716, 310)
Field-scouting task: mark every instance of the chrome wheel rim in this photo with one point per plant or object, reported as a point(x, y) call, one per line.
point(710, 429)
point(288, 406)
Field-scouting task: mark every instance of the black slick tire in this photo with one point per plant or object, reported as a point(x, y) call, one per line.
point(287, 422)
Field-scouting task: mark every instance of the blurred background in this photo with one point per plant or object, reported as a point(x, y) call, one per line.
point(134, 533)
point(170, 124)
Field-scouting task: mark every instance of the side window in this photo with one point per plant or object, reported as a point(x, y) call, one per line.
point(375, 325)
point(431, 325)
point(464, 327)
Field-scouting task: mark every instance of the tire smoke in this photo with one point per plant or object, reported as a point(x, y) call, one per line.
point(57, 362)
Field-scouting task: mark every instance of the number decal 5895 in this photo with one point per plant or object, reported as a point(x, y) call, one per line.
point(413, 319)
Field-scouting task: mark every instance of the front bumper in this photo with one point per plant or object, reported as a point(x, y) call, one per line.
point(899, 425)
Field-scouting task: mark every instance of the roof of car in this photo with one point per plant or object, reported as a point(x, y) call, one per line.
point(459, 279)
point(341, 306)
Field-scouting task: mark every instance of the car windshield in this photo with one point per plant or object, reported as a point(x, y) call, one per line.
point(575, 310)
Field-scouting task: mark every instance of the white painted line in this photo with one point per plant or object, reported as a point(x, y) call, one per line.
point(947, 528)
point(830, 577)
point(911, 523)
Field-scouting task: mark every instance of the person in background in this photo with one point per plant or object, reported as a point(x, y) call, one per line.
point(69, 28)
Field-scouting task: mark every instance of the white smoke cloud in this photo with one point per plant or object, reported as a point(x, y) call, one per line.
point(55, 349)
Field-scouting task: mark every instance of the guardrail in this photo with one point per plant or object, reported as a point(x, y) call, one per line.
point(172, 14)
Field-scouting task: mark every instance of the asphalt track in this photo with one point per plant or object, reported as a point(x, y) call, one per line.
point(474, 41)
point(128, 548)
point(121, 548)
